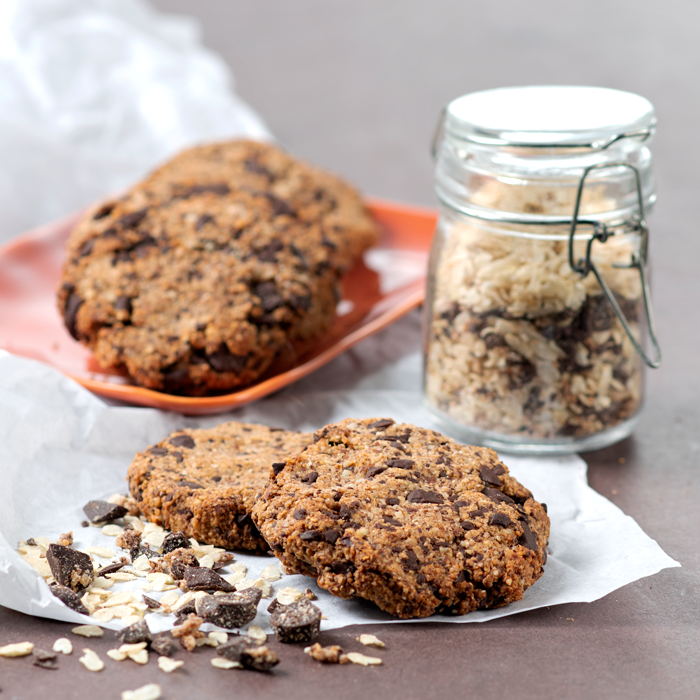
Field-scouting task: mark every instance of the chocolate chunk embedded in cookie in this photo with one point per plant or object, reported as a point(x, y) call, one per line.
point(406, 518)
point(204, 482)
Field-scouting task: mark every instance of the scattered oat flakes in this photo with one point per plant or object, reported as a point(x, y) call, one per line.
point(170, 598)
point(289, 595)
point(220, 662)
point(135, 522)
point(101, 583)
point(218, 637)
point(91, 660)
point(168, 665)
point(151, 691)
point(19, 649)
point(154, 539)
point(257, 633)
point(131, 619)
point(271, 573)
point(101, 552)
point(120, 598)
point(141, 563)
point(235, 578)
point(117, 499)
point(103, 614)
point(88, 631)
point(245, 583)
point(239, 566)
point(112, 530)
point(63, 646)
point(369, 640)
point(355, 657)
point(121, 576)
point(207, 561)
point(264, 586)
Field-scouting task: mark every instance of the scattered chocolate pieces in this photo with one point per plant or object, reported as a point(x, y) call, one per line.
point(110, 569)
point(200, 578)
point(230, 610)
point(69, 567)
point(163, 645)
point(136, 633)
point(69, 597)
point(179, 560)
point(296, 622)
point(103, 512)
point(45, 659)
point(175, 540)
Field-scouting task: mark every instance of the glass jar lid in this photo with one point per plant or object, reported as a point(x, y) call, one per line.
point(549, 116)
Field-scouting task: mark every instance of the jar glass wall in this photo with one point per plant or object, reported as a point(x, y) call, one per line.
point(522, 352)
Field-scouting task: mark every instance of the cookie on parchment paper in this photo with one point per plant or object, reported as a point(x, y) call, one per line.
point(406, 518)
point(204, 482)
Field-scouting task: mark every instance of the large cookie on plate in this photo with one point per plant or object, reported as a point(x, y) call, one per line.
point(204, 482)
point(198, 277)
point(406, 518)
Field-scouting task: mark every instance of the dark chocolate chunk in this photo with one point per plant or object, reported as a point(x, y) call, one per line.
point(279, 206)
point(373, 471)
point(123, 303)
point(403, 438)
point(157, 451)
point(277, 467)
point(393, 501)
point(527, 539)
point(152, 604)
point(497, 496)
point(331, 535)
point(103, 512)
point(189, 484)
point(104, 210)
point(86, 248)
point(298, 622)
point(411, 560)
point(269, 252)
point(259, 658)
point(343, 567)
point(220, 188)
point(477, 513)
point(175, 540)
point(203, 220)
point(69, 598)
point(392, 521)
point(466, 525)
point(45, 659)
point(311, 536)
point(500, 519)
point(201, 578)
point(489, 475)
point(133, 219)
point(400, 463)
point(230, 610)
point(182, 441)
point(299, 514)
point(223, 360)
point(136, 633)
point(309, 478)
point(344, 511)
point(163, 644)
point(109, 569)
point(70, 567)
point(73, 303)
point(421, 496)
point(233, 648)
point(381, 424)
point(274, 605)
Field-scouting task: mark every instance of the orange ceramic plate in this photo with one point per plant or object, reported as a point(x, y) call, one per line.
point(387, 284)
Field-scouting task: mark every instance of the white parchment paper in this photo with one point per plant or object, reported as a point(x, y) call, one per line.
point(60, 447)
point(94, 94)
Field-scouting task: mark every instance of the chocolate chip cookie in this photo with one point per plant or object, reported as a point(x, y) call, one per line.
point(404, 517)
point(196, 279)
point(204, 482)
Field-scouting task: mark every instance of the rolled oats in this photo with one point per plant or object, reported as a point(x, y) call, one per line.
point(19, 649)
point(152, 691)
point(354, 657)
point(88, 631)
point(91, 661)
point(168, 665)
point(63, 646)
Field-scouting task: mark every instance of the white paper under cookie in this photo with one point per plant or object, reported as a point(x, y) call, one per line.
point(60, 447)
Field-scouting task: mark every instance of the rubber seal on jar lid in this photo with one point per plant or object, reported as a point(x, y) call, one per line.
point(549, 115)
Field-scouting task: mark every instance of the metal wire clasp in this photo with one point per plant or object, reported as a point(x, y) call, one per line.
point(635, 224)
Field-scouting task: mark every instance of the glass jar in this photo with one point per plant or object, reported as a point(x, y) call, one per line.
point(537, 294)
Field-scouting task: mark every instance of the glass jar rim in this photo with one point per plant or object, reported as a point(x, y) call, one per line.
point(549, 116)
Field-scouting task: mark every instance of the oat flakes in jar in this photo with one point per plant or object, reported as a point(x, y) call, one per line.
point(538, 319)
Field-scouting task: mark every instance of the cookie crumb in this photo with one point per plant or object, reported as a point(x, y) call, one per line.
point(325, 655)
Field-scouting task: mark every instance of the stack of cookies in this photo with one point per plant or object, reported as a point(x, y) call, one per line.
point(399, 515)
point(197, 277)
